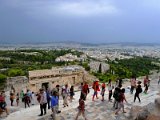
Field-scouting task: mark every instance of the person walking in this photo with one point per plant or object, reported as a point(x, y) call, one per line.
point(96, 89)
point(65, 93)
point(81, 108)
point(48, 93)
point(26, 100)
point(81, 89)
point(57, 90)
point(54, 104)
point(103, 91)
point(146, 84)
point(138, 91)
point(116, 97)
point(85, 90)
point(121, 101)
point(71, 93)
point(33, 99)
point(159, 80)
point(110, 90)
point(133, 84)
point(3, 104)
point(22, 95)
point(43, 102)
point(17, 99)
point(12, 97)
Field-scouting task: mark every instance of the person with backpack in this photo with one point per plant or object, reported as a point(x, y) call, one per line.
point(96, 89)
point(122, 98)
point(116, 96)
point(138, 91)
point(26, 100)
point(103, 91)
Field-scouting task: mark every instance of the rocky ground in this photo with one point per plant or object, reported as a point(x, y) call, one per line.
point(97, 110)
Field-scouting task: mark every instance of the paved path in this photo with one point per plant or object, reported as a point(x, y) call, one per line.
point(96, 110)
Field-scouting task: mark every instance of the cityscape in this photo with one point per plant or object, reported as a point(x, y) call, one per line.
point(79, 60)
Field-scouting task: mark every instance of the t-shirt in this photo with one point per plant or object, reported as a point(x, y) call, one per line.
point(2, 98)
point(54, 101)
point(85, 88)
point(109, 86)
point(81, 105)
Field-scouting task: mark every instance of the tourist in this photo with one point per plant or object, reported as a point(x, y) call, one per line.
point(33, 99)
point(65, 93)
point(116, 84)
point(81, 108)
point(146, 84)
point(29, 94)
point(71, 93)
point(56, 89)
point(3, 105)
point(138, 91)
point(48, 93)
point(133, 84)
point(110, 90)
point(159, 80)
point(81, 88)
point(17, 99)
point(21, 95)
point(116, 97)
point(120, 83)
point(96, 89)
point(54, 104)
point(43, 102)
point(26, 100)
point(120, 102)
point(12, 97)
point(85, 90)
point(103, 91)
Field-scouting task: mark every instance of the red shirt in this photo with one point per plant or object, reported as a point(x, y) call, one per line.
point(85, 88)
point(81, 105)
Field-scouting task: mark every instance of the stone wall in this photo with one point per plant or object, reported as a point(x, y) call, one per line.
point(18, 83)
point(71, 75)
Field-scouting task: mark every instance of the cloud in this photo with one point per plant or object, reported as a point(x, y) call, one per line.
point(84, 8)
point(69, 7)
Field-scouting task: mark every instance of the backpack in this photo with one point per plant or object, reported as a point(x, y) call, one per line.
point(140, 90)
point(117, 96)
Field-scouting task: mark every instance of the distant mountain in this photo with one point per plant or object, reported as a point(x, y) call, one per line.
point(78, 43)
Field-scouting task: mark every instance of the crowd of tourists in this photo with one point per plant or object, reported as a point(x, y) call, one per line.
point(49, 98)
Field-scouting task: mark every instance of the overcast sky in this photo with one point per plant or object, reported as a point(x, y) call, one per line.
point(91, 21)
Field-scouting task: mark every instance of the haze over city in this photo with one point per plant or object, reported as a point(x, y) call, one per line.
point(88, 21)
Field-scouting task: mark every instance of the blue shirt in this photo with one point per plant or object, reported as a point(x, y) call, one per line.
point(54, 101)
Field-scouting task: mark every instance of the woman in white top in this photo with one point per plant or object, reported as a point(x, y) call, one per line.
point(33, 98)
point(110, 90)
